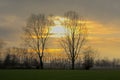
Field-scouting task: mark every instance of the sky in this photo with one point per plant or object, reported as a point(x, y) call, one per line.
point(103, 17)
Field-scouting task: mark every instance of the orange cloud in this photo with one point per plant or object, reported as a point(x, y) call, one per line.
point(97, 28)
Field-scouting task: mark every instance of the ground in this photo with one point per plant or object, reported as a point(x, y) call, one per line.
point(59, 75)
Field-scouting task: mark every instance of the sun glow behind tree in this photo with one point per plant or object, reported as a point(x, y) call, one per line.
point(58, 30)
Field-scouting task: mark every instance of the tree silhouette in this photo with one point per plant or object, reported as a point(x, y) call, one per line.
point(7, 61)
point(75, 36)
point(36, 34)
point(88, 58)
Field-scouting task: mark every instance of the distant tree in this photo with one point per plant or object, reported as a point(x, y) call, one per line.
point(88, 58)
point(106, 62)
point(36, 34)
point(75, 35)
point(7, 61)
point(116, 63)
point(11, 59)
point(26, 62)
point(58, 63)
point(14, 60)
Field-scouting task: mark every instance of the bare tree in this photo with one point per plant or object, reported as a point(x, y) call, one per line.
point(75, 35)
point(36, 34)
point(89, 55)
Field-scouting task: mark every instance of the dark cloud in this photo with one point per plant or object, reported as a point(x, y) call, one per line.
point(8, 33)
point(11, 28)
point(102, 10)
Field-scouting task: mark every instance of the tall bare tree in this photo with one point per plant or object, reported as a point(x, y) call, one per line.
point(75, 35)
point(36, 34)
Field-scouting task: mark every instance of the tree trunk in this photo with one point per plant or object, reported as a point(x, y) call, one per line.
point(73, 63)
point(41, 63)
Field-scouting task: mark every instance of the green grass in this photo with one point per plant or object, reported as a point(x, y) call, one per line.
point(59, 75)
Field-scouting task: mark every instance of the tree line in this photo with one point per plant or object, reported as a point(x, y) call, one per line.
point(19, 58)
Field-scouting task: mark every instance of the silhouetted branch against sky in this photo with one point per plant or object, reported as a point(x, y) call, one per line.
point(75, 37)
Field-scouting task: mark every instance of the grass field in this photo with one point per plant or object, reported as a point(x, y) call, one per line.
point(59, 75)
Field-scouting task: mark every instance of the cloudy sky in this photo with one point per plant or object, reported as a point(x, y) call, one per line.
point(103, 15)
